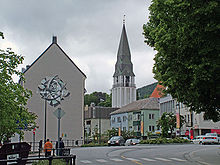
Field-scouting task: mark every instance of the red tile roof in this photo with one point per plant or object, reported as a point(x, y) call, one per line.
point(157, 93)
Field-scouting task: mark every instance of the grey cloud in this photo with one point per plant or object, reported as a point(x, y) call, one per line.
point(87, 30)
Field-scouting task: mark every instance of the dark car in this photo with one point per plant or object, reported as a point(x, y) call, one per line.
point(116, 141)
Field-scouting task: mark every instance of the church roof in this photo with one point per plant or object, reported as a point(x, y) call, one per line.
point(144, 104)
point(123, 66)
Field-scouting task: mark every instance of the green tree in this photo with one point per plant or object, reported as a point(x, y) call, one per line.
point(167, 122)
point(99, 98)
point(186, 36)
point(107, 102)
point(14, 117)
point(112, 132)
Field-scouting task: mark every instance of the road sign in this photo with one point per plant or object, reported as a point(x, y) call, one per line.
point(59, 113)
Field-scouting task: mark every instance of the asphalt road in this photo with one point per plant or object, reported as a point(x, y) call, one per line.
point(187, 154)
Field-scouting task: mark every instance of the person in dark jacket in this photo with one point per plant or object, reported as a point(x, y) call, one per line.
point(61, 147)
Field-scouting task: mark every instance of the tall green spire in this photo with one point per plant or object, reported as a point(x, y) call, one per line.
point(123, 66)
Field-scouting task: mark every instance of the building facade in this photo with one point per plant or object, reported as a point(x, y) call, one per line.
point(54, 62)
point(195, 124)
point(96, 120)
point(124, 89)
point(139, 116)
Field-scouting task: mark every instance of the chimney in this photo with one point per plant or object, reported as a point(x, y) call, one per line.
point(54, 41)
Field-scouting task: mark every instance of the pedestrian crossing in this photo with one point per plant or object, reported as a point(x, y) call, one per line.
point(132, 159)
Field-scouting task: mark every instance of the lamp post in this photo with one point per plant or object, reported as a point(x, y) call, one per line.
point(100, 125)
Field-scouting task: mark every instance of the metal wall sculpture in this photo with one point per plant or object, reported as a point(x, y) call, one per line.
point(53, 90)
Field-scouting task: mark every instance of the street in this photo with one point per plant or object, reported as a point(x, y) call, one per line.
point(187, 154)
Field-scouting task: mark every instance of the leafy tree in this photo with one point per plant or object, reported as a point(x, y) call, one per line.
point(112, 132)
point(107, 102)
point(167, 122)
point(186, 36)
point(14, 117)
point(99, 98)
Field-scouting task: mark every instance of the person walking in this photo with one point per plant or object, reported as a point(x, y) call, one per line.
point(48, 146)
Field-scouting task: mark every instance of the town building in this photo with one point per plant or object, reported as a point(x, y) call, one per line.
point(195, 124)
point(139, 116)
point(124, 89)
point(96, 120)
point(54, 69)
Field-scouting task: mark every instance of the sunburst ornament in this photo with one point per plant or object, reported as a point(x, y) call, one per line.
point(53, 89)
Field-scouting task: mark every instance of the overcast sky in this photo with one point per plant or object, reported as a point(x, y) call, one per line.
point(87, 30)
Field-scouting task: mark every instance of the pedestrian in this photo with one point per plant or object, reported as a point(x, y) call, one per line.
point(61, 147)
point(48, 146)
point(40, 145)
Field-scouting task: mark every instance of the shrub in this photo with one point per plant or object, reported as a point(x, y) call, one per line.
point(46, 162)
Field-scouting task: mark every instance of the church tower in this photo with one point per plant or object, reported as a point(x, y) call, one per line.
point(124, 89)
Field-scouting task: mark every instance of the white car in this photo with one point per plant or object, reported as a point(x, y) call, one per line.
point(198, 139)
point(211, 138)
point(132, 142)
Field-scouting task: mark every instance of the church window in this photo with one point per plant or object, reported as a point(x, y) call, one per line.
point(127, 79)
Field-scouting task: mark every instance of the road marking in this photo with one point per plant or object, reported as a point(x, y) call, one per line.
point(131, 159)
point(134, 160)
point(116, 160)
point(147, 159)
point(177, 159)
point(101, 160)
point(162, 159)
point(86, 161)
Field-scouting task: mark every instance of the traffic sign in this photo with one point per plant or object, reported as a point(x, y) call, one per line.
point(59, 113)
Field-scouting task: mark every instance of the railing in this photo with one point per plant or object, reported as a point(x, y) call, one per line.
point(67, 143)
point(70, 160)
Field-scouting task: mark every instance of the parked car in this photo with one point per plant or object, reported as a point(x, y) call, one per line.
point(198, 139)
point(211, 138)
point(116, 141)
point(132, 142)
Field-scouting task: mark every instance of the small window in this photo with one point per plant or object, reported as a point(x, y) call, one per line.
point(152, 116)
point(149, 128)
point(124, 118)
point(153, 129)
point(129, 117)
point(149, 116)
point(113, 120)
point(119, 119)
point(124, 128)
